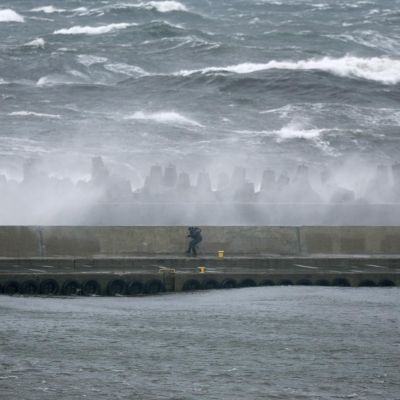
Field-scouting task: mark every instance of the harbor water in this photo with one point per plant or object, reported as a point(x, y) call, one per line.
point(255, 343)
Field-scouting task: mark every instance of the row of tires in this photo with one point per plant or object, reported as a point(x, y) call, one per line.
point(121, 287)
point(194, 284)
point(90, 287)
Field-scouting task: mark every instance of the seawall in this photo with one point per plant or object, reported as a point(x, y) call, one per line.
point(137, 260)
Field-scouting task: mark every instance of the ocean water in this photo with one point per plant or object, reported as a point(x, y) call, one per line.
point(256, 343)
point(251, 82)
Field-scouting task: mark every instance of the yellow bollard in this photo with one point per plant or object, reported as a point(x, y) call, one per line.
point(202, 269)
point(221, 253)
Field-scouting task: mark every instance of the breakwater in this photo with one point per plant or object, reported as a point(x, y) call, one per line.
point(140, 260)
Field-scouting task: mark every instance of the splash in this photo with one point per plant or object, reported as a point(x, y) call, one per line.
point(8, 15)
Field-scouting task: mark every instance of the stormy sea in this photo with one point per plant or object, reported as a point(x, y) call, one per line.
point(202, 84)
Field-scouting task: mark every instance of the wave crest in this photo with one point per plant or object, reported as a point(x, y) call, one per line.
point(33, 114)
point(164, 117)
point(93, 30)
point(380, 69)
point(8, 15)
point(163, 6)
point(39, 43)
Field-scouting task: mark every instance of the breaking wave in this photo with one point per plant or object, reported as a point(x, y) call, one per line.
point(163, 6)
point(93, 30)
point(164, 117)
point(126, 69)
point(379, 69)
point(48, 9)
point(8, 15)
point(33, 114)
point(39, 43)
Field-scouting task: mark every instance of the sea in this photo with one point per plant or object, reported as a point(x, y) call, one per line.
point(289, 342)
point(198, 83)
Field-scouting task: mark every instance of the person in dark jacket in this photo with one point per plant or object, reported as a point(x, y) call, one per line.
point(196, 238)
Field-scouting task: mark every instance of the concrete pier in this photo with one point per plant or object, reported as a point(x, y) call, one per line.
point(140, 260)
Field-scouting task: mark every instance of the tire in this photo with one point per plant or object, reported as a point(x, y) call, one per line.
point(29, 288)
point(191, 285)
point(304, 282)
point(71, 288)
point(341, 282)
point(211, 284)
point(91, 288)
point(285, 282)
point(135, 288)
point(11, 288)
point(247, 283)
point(267, 282)
point(116, 287)
point(49, 287)
point(229, 284)
point(386, 283)
point(154, 286)
point(322, 282)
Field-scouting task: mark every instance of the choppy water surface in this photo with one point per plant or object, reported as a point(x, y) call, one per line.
point(258, 343)
point(257, 80)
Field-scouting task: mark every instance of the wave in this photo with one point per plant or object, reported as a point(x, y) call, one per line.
point(8, 15)
point(93, 30)
point(379, 69)
point(164, 117)
point(88, 60)
point(163, 6)
point(39, 43)
point(126, 69)
point(48, 9)
point(33, 114)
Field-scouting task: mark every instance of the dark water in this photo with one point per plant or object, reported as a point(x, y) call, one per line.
point(259, 343)
point(251, 81)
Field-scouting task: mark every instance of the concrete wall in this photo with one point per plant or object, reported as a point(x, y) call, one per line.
point(129, 241)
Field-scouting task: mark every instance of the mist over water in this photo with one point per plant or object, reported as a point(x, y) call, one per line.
point(206, 86)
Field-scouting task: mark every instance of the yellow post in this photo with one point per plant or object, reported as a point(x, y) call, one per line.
point(221, 253)
point(202, 269)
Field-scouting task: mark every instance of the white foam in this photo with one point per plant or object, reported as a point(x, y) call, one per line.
point(48, 9)
point(8, 15)
point(164, 117)
point(297, 131)
point(33, 114)
point(163, 6)
point(39, 42)
point(88, 60)
point(126, 69)
point(380, 69)
point(93, 30)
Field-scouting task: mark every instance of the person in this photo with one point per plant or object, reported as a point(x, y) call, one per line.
point(196, 238)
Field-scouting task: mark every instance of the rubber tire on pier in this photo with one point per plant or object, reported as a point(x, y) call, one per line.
point(386, 283)
point(49, 287)
point(71, 288)
point(154, 286)
point(135, 288)
point(210, 284)
point(285, 282)
point(367, 283)
point(91, 288)
point(29, 287)
point(11, 288)
point(191, 285)
point(267, 282)
point(117, 287)
point(247, 283)
point(322, 282)
point(1, 289)
point(304, 282)
point(341, 282)
point(229, 284)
